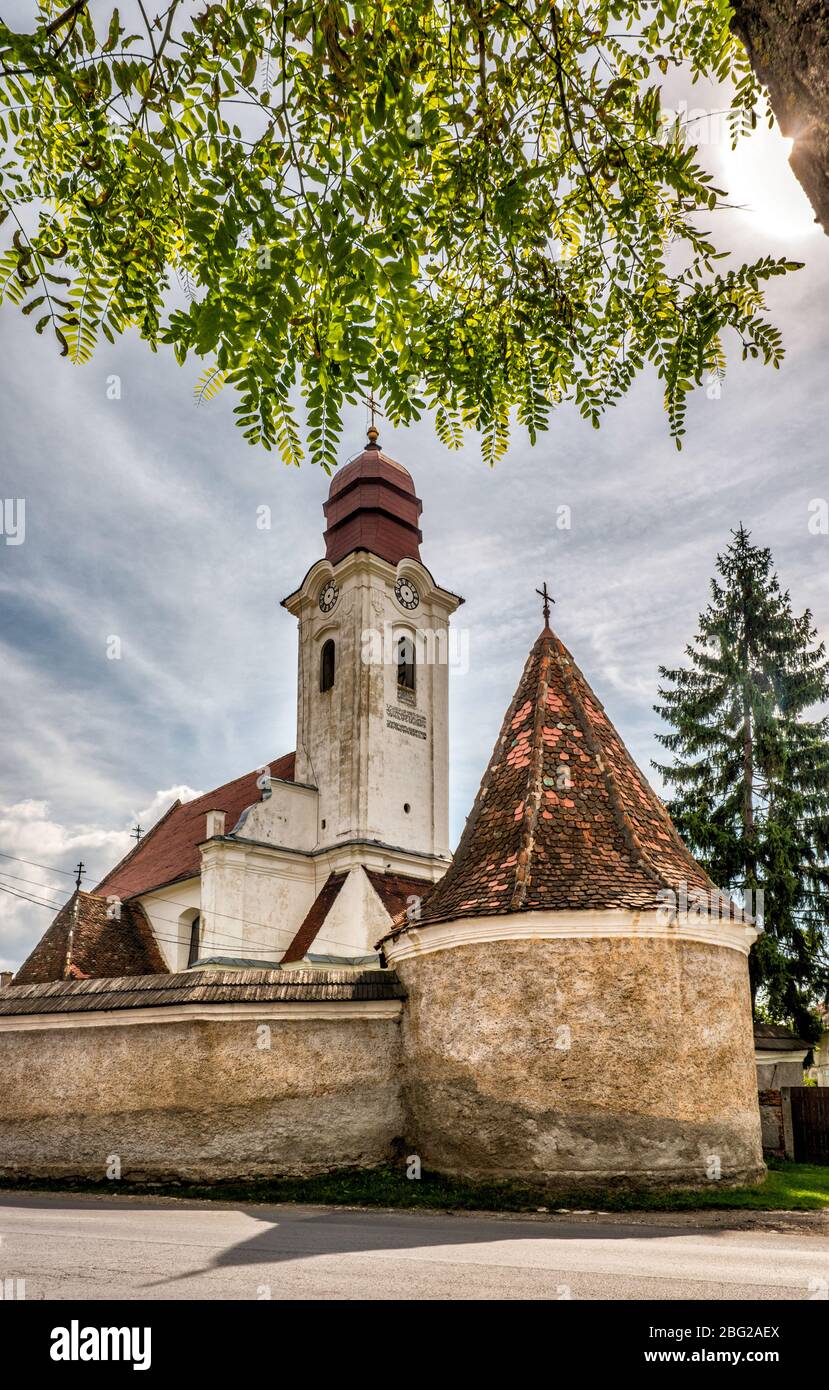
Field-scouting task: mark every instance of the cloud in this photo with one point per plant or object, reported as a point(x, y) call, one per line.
point(39, 859)
point(161, 802)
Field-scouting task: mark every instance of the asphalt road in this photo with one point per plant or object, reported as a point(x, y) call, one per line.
point(89, 1248)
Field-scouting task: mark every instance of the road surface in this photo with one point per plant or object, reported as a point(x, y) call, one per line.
point(71, 1247)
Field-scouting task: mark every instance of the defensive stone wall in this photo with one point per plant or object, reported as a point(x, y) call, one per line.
point(582, 1062)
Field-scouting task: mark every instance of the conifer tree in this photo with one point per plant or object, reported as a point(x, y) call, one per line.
point(751, 772)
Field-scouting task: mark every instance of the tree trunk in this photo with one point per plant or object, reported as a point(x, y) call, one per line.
point(787, 42)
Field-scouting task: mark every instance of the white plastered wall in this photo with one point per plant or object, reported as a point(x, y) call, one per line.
point(357, 920)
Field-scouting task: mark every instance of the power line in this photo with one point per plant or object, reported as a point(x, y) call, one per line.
point(36, 883)
point(173, 940)
point(159, 936)
point(221, 938)
point(228, 937)
point(26, 898)
point(50, 868)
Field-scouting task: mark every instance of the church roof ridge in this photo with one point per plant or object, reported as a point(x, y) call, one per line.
point(170, 850)
point(139, 845)
point(563, 819)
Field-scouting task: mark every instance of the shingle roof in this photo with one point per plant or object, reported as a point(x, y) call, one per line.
point(202, 987)
point(170, 850)
point(563, 819)
point(83, 941)
point(773, 1037)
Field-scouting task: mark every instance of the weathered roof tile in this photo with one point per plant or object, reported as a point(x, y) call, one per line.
point(563, 818)
point(84, 941)
point(200, 987)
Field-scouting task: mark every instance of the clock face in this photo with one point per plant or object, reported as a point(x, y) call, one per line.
point(329, 597)
point(406, 594)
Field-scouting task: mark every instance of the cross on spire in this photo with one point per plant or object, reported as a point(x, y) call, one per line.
point(372, 431)
point(79, 874)
point(136, 833)
point(548, 599)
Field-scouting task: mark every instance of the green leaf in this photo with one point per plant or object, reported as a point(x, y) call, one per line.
point(249, 68)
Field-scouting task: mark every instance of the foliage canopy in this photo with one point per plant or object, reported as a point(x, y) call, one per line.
point(474, 207)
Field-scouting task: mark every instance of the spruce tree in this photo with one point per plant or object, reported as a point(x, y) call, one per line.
point(750, 774)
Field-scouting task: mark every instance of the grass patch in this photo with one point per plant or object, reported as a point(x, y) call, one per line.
point(788, 1187)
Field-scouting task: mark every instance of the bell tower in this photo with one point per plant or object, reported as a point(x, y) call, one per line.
point(373, 672)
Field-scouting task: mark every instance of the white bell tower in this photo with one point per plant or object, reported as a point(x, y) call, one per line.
point(374, 653)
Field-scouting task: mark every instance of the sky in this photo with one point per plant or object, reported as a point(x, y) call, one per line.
point(141, 525)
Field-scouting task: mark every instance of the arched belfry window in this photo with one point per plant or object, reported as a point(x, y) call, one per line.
point(328, 660)
point(195, 941)
point(406, 664)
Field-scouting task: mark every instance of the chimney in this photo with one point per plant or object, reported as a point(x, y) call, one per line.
point(215, 824)
point(6, 977)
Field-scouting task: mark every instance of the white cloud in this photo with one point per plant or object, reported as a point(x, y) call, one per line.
point(39, 857)
point(161, 802)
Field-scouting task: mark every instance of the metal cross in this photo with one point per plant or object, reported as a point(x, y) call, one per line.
point(79, 876)
point(548, 599)
point(136, 833)
point(373, 407)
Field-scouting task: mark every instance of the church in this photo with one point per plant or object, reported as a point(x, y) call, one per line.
point(292, 973)
point(313, 854)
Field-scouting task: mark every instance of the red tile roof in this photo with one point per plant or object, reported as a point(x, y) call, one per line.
point(396, 891)
point(563, 819)
point(170, 850)
point(314, 918)
point(372, 506)
point(82, 943)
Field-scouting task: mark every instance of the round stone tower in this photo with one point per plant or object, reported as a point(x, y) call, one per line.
point(578, 999)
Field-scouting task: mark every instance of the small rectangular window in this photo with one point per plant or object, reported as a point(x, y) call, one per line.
point(327, 665)
point(406, 664)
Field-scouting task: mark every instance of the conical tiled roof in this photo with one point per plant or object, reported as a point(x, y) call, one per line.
point(564, 819)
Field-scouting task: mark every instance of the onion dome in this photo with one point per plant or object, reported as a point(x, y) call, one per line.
point(372, 505)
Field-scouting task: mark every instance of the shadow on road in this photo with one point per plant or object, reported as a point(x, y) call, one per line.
point(296, 1233)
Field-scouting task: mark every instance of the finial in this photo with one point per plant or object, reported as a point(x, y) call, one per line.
point(79, 874)
point(548, 599)
point(372, 431)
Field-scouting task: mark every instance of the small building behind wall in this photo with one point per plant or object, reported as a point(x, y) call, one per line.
point(779, 1056)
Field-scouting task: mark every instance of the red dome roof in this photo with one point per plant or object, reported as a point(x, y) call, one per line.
point(372, 464)
point(372, 505)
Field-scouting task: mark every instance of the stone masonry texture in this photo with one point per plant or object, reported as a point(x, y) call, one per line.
point(656, 1087)
point(200, 1100)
